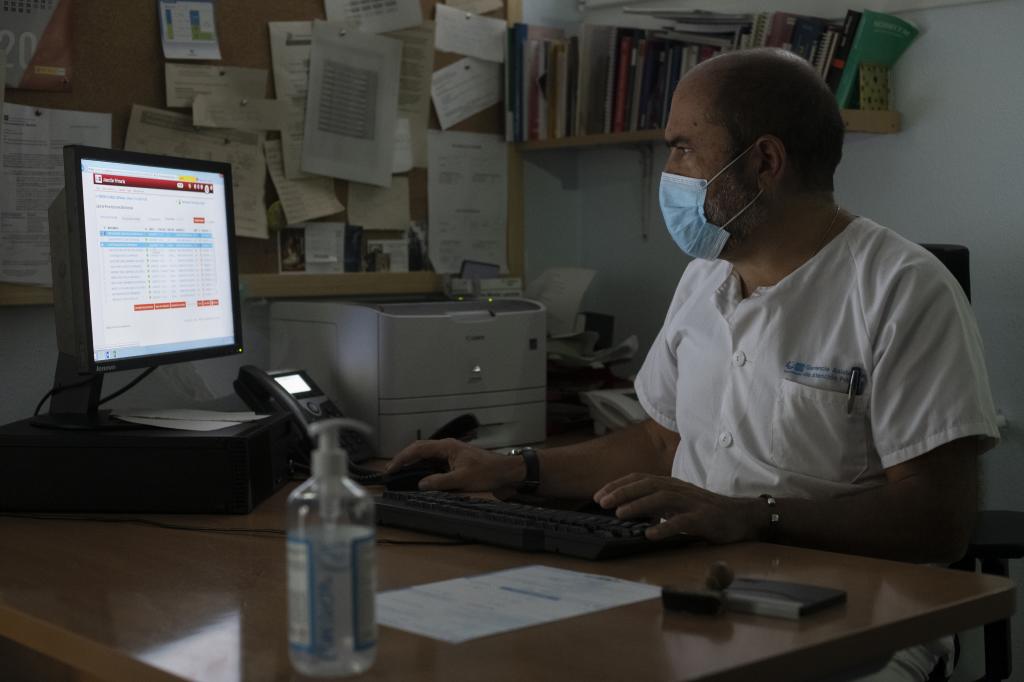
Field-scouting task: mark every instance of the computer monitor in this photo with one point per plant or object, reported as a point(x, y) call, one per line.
point(144, 271)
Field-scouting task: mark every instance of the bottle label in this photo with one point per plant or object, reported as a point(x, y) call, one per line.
point(332, 591)
point(300, 608)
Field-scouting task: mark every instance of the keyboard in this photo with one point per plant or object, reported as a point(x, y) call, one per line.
point(517, 526)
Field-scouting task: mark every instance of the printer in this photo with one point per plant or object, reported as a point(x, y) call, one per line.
point(409, 368)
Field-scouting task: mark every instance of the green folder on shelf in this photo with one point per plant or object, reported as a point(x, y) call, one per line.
point(880, 39)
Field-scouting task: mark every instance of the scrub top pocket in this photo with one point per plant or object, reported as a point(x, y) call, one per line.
point(813, 434)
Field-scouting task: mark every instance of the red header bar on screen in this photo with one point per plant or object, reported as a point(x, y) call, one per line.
point(151, 183)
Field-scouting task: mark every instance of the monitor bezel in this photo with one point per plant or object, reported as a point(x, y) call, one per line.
point(73, 181)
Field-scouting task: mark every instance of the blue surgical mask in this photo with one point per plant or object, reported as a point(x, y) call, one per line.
point(682, 205)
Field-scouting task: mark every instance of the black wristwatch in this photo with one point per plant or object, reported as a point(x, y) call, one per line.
point(532, 480)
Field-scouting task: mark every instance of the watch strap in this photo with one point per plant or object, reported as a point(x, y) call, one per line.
point(532, 462)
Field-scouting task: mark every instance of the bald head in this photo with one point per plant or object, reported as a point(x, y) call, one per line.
point(767, 91)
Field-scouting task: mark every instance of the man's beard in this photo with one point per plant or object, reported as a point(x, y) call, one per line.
point(733, 193)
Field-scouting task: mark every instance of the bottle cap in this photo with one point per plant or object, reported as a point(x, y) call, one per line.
point(329, 458)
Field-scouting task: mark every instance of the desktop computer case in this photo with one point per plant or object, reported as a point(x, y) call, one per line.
point(150, 470)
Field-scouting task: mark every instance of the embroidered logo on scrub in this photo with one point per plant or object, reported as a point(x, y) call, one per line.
point(817, 375)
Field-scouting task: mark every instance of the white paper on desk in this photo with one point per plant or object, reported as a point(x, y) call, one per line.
point(187, 420)
point(374, 16)
point(380, 208)
point(157, 131)
point(31, 176)
point(467, 199)
point(470, 34)
point(561, 291)
point(414, 85)
point(464, 88)
point(188, 29)
point(396, 252)
point(290, 43)
point(184, 81)
point(352, 105)
point(477, 6)
point(463, 609)
point(241, 113)
point(304, 198)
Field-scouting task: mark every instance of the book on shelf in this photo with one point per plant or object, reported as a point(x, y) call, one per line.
point(614, 79)
point(880, 39)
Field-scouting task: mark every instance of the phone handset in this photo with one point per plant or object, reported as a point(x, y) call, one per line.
point(295, 392)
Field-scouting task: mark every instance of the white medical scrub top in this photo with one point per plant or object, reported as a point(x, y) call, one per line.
point(757, 388)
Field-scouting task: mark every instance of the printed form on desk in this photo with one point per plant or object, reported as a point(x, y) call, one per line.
point(463, 609)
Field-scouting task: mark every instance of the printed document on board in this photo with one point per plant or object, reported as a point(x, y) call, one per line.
point(464, 609)
point(167, 132)
point(470, 34)
point(185, 81)
point(31, 176)
point(304, 198)
point(464, 88)
point(467, 196)
point(414, 86)
point(188, 29)
point(35, 43)
point(352, 105)
point(290, 43)
point(374, 16)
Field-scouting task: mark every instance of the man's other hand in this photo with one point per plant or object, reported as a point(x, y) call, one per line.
point(684, 508)
point(470, 468)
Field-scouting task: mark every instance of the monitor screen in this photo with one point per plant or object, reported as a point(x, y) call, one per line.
point(158, 258)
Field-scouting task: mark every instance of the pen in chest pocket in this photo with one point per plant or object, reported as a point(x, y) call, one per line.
point(855, 388)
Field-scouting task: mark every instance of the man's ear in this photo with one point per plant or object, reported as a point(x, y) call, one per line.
point(772, 162)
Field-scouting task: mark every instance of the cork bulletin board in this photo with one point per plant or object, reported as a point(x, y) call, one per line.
point(118, 62)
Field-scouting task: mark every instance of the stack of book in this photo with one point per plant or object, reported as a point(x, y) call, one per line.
point(609, 79)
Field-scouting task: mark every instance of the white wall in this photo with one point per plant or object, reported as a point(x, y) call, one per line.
point(954, 174)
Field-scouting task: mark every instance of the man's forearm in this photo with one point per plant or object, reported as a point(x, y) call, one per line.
point(925, 517)
point(579, 470)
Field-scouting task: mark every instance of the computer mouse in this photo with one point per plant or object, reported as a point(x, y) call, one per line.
point(408, 477)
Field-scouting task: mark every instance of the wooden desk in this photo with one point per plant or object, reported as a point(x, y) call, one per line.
point(132, 602)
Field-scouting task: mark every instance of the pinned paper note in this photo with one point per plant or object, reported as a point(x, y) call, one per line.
point(185, 81)
point(470, 34)
point(477, 6)
point(403, 147)
point(375, 16)
point(290, 43)
point(303, 198)
point(188, 29)
point(464, 88)
point(352, 105)
point(414, 87)
point(380, 208)
point(241, 113)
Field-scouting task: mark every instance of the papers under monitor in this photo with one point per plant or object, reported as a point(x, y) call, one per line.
point(352, 105)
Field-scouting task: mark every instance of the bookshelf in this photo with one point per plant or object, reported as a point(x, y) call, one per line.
point(856, 121)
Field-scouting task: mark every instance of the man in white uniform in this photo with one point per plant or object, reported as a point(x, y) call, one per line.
point(818, 380)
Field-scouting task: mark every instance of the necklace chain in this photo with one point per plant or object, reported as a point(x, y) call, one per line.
point(827, 231)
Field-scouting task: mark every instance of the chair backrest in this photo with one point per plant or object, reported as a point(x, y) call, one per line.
point(958, 259)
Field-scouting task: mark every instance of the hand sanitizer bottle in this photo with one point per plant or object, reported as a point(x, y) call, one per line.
point(332, 583)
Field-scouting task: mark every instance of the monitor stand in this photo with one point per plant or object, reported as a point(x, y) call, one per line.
point(75, 407)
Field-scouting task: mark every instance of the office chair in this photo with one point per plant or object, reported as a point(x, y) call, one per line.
point(998, 535)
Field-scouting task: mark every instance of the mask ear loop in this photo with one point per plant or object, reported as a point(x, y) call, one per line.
point(749, 203)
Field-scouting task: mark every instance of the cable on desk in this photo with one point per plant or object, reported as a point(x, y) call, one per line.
point(59, 389)
point(258, 532)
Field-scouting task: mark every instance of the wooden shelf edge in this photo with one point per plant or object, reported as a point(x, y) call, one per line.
point(21, 294)
point(341, 284)
point(855, 120)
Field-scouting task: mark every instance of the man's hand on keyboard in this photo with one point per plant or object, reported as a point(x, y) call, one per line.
point(685, 508)
point(471, 468)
